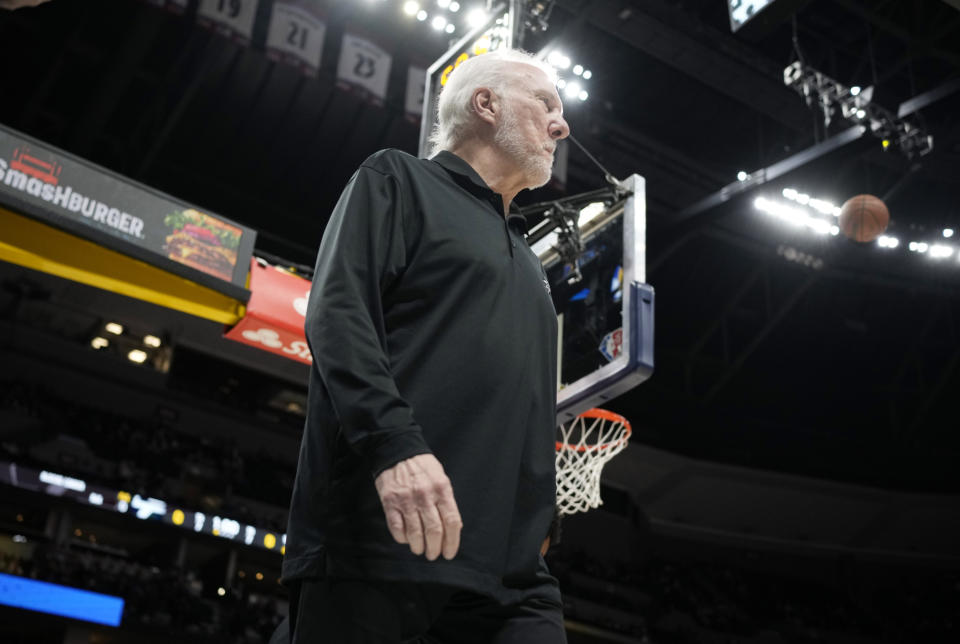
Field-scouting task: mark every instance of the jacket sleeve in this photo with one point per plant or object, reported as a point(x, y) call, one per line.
point(362, 253)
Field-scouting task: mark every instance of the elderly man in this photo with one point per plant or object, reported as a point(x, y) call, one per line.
point(425, 484)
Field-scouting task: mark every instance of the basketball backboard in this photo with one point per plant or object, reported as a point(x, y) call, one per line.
point(604, 306)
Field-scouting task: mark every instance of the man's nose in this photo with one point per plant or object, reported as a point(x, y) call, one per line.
point(559, 129)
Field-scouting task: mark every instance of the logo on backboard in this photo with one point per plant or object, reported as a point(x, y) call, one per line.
point(612, 344)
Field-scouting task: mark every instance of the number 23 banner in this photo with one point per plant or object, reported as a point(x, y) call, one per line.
point(296, 34)
point(363, 64)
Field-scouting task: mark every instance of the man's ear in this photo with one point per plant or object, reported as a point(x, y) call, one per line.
point(485, 104)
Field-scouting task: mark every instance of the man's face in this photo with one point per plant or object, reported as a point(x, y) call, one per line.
point(531, 123)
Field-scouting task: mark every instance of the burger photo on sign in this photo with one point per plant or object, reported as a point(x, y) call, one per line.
point(202, 242)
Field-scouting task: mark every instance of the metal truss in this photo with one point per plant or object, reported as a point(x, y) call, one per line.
point(855, 106)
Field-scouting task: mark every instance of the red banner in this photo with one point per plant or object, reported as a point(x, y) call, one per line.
point(275, 313)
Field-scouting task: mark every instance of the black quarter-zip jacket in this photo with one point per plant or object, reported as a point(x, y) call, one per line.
point(432, 330)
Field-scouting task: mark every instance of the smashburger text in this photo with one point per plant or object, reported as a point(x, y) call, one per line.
point(68, 199)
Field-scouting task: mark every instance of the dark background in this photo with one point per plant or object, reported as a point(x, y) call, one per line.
point(845, 370)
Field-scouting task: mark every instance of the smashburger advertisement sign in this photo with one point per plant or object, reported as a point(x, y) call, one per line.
point(275, 313)
point(117, 213)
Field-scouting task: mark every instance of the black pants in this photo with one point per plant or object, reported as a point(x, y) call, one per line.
point(339, 611)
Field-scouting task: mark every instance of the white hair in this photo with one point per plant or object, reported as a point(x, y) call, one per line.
point(493, 70)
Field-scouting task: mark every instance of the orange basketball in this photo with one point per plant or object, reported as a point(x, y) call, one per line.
point(863, 218)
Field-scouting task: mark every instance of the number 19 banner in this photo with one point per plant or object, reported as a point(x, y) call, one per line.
point(296, 34)
point(233, 18)
point(364, 65)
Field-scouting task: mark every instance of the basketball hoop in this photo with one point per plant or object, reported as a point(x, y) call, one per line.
point(586, 444)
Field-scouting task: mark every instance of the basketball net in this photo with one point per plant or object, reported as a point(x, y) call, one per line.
point(586, 444)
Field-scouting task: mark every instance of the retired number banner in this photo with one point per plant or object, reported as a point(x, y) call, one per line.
point(364, 65)
point(233, 18)
point(296, 34)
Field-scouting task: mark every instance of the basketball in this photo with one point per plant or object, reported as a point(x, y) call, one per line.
point(863, 218)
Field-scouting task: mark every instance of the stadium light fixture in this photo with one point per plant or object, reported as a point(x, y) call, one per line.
point(578, 69)
point(587, 74)
point(855, 104)
point(443, 4)
point(795, 216)
point(572, 90)
point(411, 8)
point(454, 6)
point(583, 95)
point(421, 15)
point(438, 23)
point(476, 17)
point(137, 355)
point(742, 176)
point(820, 205)
point(113, 327)
point(151, 341)
point(886, 241)
point(940, 251)
point(948, 232)
point(99, 343)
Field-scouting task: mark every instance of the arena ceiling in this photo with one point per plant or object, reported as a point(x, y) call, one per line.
point(775, 349)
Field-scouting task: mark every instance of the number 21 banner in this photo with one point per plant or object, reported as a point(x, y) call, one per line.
point(296, 34)
point(364, 65)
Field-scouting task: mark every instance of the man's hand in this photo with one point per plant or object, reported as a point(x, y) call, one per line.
point(418, 502)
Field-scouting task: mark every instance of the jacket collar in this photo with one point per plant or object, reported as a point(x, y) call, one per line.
point(464, 174)
point(461, 170)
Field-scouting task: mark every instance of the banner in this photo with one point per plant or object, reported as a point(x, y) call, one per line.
point(45, 183)
point(232, 18)
point(296, 34)
point(364, 65)
point(174, 6)
point(275, 313)
point(416, 82)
